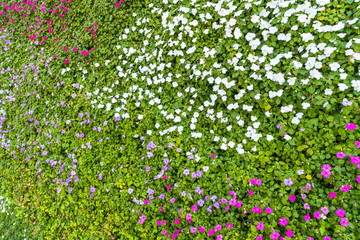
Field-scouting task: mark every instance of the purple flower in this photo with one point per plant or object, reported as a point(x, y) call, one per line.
point(209, 208)
point(193, 174)
point(186, 172)
point(178, 150)
point(288, 182)
point(130, 191)
point(91, 195)
point(150, 154)
point(162, 196)
point(199, 173)
point(147, 169)
point(217, 205)
point(92, 189)
point(170, 145)
point(200, 202)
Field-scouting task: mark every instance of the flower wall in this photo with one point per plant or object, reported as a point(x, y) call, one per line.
point(182, 119)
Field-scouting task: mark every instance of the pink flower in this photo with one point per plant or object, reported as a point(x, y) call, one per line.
point(217, 228)
point(283, 221)
point(326, 174)
point(188, 216)
point(341, 213)
point(223, 200)
point(232, 202)
point(260, 226)
point(332, 195)
point(354, 160)
point(141, 221)
point(344, 222)
point(219, 237)
point(193, 230)
point(340, 155)
point(325, 210)
point(345, 188)
point(268, 210)
point(227, 208)
point(317, 215)
point(289, 233)
point(326, 167)
point(229, 225)
point(350, 126)
point(143, 217)
point(258, 182)
point(275, 235)
point(292, 198)
point(211, 232)
point(231, 192)
point(303, 196)
point(307, 217)
point(201, 229)
point(194, 208)
point(172, 200)
point(306, 206)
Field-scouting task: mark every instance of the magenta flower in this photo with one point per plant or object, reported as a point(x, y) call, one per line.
point(217, 228)
point(223, 200)
point(146, 202)
point(358, 179)
point(344, 222)
point(259, 237)
point(275, 235)
point(341, 213)
point(327, 238)
point(213, 155)
point(326, 167)
point(238, 203)
point(345, 188)
point(211, 232)
point(219, 237)
point(350, 126)
point(194, 208)
point(258, 182)
point(188, 216)
point(357, 143)
point(177, 221)
point(268, 210)
point(260, 226)
point(289, 233)
point(201, 229)
point(340, 155)
point(332, 195)
point(283, 221)
point(251, 193)
point(317, 215)
point(158, 222)
point(292, 198)
point(172, 200)
point(307, 217)
point(229, 226)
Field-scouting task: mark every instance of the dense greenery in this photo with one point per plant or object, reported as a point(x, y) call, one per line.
point(181, 119)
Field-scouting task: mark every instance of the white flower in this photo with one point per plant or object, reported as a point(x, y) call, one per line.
point(295, 120)
point(223, 146)
point(328, 91)
point(287, 137)
point(307, 37)
point(231, 144)
point(269, 138)
point(356, 85)
point(140, 116)
point(206, 168)
point(342, 86)
point(216, 138)
point(305, 105)
point(97, 64)
point(322, 2)
point(148, 132)
point(334, 66)
point(300, 172)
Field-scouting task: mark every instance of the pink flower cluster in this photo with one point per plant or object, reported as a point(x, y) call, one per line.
point(326, 171)
point(255, 181)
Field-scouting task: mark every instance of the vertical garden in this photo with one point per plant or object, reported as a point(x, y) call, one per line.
point(180, 119)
